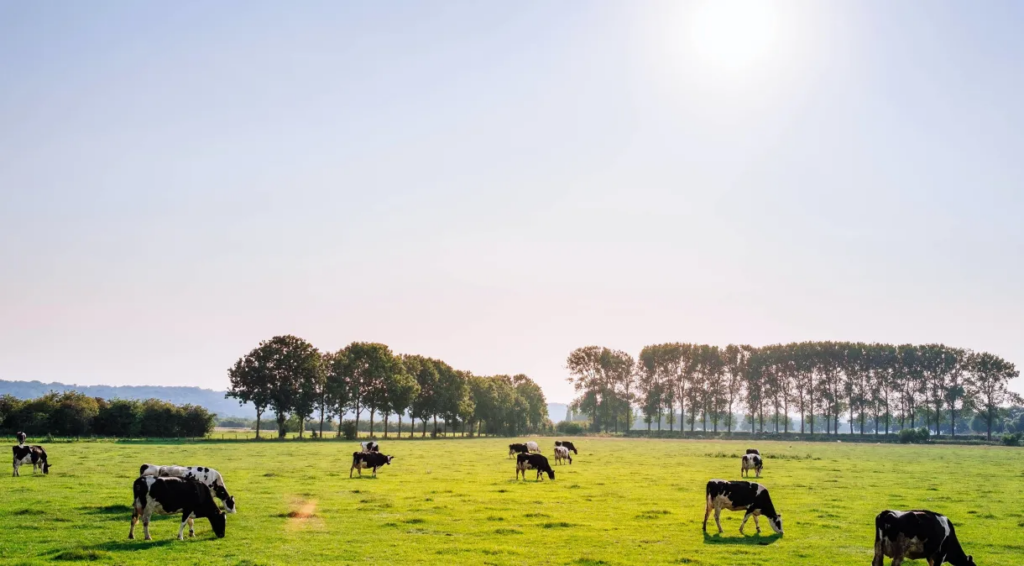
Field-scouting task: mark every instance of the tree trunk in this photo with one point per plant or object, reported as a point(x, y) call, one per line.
point(359, 410)
point(280, 425)
point(989, 419)
point(321, 421)
point(259, 415)
point(386, 415)
point(373, 413)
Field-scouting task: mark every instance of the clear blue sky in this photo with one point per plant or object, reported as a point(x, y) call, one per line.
point(495, 184)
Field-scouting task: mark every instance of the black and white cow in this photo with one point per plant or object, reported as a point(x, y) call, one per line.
point(751, 462)
point(363, 460)
point(22, 437)
point(35, 455)
point(753, 451)
point(517, 449)
point(370, 446)
point(533, 462)
point(741, 496)
point(562, 454)
point(567, 444)
point(209, 477)
point(169, 496)
point(913, 535)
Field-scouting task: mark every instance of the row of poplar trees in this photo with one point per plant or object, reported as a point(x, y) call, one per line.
point(818, 380)
point(288, 376)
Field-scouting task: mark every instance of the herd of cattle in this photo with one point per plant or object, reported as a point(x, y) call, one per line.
point(191, 491)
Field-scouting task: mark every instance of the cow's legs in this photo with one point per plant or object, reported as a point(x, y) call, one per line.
point(192, 525)
point(539, 474)
point(745, 517)
point(718, 520)
point(15, 473)
point(145, 525)
point(185, 514)
point(758, 526)
point(135, 519)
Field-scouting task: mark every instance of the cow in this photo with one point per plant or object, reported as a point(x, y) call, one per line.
point(751, 462)
point(517, 448)
point(567, 444)
point(208, 476)
point(533, 462)
point(533, 446)
point(753, 451)
point(362, 460)
point(171, 495)
point(34, 455)
point(22, 437)
point(741, 496)
point(913, 535)
point(562, 454)
point(370, 446)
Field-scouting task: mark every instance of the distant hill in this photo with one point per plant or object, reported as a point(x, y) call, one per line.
point(214, 401)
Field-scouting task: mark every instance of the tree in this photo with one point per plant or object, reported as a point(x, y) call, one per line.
point(195, 421)
point(734, 361)
point(252, 381)
point(119, 418)
point(324, 403)
point(338, 389)
point(424, 405)
point(73, 414)
point(401, 390)
point(987, 381)
point(533, 397)
point(160, 419)
point(368, 367)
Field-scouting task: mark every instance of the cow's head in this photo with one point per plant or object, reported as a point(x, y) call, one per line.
point(390, 458)
point(551, 473)
point(776, 523)
point(970, 560)
point(222, 494)
point(218, 522)
point(46, 467)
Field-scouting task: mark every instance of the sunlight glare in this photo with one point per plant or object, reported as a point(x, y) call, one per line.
point(732, 36)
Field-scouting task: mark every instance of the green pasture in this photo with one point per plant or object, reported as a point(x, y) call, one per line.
point(455, 502)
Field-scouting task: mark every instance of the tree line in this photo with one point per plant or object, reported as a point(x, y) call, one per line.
point(289, 377)
point(74, 414)
point(879, 385)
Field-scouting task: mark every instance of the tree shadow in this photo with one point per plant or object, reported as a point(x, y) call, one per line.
point(108, 510)
point(756, 540)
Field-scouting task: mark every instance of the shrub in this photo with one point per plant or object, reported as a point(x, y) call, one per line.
point(914, 435)
point(569, 427)
point(1012, 439)
point(349, 430)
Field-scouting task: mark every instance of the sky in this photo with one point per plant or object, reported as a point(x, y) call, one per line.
point(496, 184)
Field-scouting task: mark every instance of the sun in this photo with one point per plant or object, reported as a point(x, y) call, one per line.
point(732, 36)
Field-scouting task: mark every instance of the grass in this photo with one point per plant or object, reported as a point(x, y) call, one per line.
point(455, 502)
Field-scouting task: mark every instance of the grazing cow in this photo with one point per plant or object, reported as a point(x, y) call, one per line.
point(562, 454)
point(171, 495)
point(917, 534)
point(517, 448)
point(533, 446)
point(753, 451)
point(34, 455)
point(209, 477)
point(751, 462)
point(741, 496)
point(567, 444)
point(533, 462)
point(21, 438)
point(370, 446)
point(362, 460)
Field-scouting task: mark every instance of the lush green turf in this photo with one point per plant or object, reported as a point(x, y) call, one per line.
point(455, 502)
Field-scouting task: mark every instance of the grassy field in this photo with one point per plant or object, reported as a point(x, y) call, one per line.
point(455, 502)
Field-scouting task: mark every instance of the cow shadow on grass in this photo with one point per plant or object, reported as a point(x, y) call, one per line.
point(756, 540)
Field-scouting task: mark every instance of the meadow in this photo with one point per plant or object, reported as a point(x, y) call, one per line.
point(456, 502)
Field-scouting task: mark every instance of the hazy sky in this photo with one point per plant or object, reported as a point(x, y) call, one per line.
point(495, 184)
